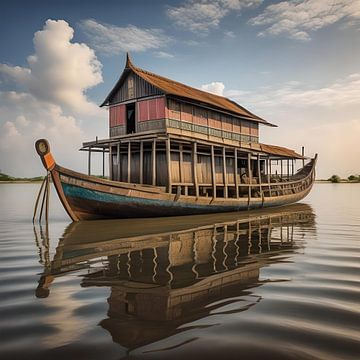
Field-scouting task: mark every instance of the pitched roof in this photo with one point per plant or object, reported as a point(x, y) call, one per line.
point(174, 88)
point(280, 151)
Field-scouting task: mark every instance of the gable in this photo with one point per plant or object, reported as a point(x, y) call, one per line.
point(131, 86)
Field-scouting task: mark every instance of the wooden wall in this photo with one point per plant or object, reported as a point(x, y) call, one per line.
point(134, 87)
point(210, 121)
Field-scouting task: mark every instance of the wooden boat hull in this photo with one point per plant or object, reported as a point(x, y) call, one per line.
point(88, 197)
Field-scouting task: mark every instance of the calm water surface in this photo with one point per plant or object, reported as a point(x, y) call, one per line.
point(279, 284)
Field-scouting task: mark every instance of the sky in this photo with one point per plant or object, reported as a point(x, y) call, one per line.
point(294, 63)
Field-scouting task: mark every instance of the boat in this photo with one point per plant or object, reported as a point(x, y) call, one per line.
point(175, 150)
point(163, 273)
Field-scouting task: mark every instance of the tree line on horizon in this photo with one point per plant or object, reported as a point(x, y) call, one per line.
point(351, 178)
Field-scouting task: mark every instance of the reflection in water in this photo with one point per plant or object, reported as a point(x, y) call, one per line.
point(163, 273)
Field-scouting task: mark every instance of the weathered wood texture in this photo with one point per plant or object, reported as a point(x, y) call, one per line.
point(134, 87)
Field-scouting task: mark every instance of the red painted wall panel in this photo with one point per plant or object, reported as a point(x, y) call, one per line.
point(117, 115)
point(152, 109)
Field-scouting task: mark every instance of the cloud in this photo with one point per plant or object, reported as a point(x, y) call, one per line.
point(199, 16)
point(163, 55)
point(296, 19)
point(60, 71)
point(110, 39)
point(48, 99)
point(215, 87)
point(325, 120)
point(343, 92)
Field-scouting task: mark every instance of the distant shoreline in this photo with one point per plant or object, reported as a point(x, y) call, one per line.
point(321, 181)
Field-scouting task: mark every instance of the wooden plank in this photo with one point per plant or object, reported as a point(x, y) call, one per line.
point(268, 166)
point(213, 174)
point(129, 163)
point(224, 173)
point(89, 161)
point(110, 163)
point(168, 163)
point(181, 164)
point(118, 161)
point(259, 177)
point(153, 162)
point(141, 176)
point(103, 163)
point(194, 163)
point(250, 178)
point(236, 171)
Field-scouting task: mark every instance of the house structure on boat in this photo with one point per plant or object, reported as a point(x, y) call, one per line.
point(193, 143)
point(176, 150)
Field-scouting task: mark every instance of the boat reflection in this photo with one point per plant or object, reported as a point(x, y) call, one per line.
point(167, 272)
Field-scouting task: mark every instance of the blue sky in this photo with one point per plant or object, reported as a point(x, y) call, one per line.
point(295, 63)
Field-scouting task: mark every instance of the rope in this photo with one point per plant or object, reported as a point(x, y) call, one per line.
point(44, 192)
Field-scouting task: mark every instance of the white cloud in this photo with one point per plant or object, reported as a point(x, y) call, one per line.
point(343, 92)
point(163, 55)
point(215, 87)
point(200, 16)
point(111, 39)
point(325, 120)
point(60, 71)
point(296, 19)
point(48, 99)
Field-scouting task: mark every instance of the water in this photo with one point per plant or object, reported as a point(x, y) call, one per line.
point(279, 284)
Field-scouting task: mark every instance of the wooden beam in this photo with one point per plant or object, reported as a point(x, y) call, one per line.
point(259, 177)
point(194, 160)
point(141, 172)
point(168, 162)
point(268, 166)
point(118, 161)
point(129, 163)
point(288, 169)
point(153, 162)
point(224, 173)
point(110, 163)
point(213, 173)
point(89, 161)
point(250, 178)
point(103, 163)
point(236, 171)
point(303, 154)
point(181, 170)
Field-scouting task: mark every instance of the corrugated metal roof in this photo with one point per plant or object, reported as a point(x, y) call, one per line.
point(280, 151)
point(171, 87)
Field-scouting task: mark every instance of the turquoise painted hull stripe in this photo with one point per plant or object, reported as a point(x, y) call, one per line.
point(86, 194)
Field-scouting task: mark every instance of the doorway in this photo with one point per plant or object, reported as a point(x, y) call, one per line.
point(130, 118)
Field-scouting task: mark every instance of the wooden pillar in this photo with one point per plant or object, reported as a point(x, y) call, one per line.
point(103, 163)
point(225, 174)
point(153, 162)
point(213, 173)
point(281, 169)
point(288, 169)
point(194, 159)
point(181, 170)
point(259, 176)
point(292, 167)
point(118, 161)
point(250, 178)
point(129, 163)
point(110, 163)
point(141, 170)
point(268, 161)
point(168, 161)
point(303, 154)
point(236, 171)
point(89, 161)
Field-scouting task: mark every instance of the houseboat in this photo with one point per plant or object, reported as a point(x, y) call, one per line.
point(176, 150)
